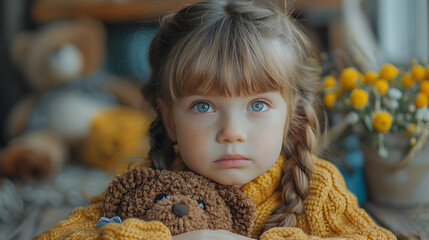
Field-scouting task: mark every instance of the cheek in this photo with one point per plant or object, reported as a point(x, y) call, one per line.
point(270, 134)
point(192, 135)
point(271, 139)
point(192, 140)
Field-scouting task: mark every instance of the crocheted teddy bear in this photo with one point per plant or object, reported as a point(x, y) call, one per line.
point(182, 200)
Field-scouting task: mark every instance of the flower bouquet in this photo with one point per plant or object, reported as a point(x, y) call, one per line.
point(386, 101)
point(390, 109)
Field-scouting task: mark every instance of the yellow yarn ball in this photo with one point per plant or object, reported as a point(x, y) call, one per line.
point(424, 87)
point(388, 71)
point(418, 72)
point(116, 134)
point(359, 98)
point(329, 99)
point(382, 122)
point(407, 81)
point(382, 86)
point(348, 78)
point(329, 81)
point(371, 76)
point(421, 100)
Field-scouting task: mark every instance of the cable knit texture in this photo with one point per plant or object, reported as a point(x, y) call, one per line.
point(331, 211)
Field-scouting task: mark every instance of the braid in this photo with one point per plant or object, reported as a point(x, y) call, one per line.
point(162, 151)
point(297, 169)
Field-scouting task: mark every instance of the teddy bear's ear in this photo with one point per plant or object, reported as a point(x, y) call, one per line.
point(122, 184)
point(243, 209)
point(20, 47)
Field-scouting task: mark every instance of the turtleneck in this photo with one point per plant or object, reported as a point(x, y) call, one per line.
point(262, 190)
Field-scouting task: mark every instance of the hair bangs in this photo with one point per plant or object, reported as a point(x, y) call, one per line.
point(224, 61)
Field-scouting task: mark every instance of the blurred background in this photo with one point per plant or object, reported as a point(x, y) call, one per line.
point(71, 111)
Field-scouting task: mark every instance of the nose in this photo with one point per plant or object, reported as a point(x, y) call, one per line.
point(232, 130)
point(180, 209)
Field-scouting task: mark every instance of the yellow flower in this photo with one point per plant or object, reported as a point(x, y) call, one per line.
point(348, 78)
point(421, 100)
point(371, 76)
point(418, 72)
point(388, 71)
point(359, 98)
point(382, 86)
point(329, 81)
point(329, 99)
point(413, 141)
point(361, 77)
point(412, 129)
point(339, 92)
point(427, 71)
point(407, 81)
point(424, 87)
point(382, 122)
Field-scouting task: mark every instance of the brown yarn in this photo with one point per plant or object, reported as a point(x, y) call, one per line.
point(134, 193)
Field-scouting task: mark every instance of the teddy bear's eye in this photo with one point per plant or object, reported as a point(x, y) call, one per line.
point(160, 197)
point(202, 205)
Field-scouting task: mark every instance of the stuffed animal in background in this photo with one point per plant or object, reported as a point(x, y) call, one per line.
point(62, 62)
point(182, 200)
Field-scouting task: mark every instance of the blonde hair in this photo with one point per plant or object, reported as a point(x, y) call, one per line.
point(239, 48)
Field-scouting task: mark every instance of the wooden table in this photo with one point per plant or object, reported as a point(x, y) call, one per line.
point(405, 223)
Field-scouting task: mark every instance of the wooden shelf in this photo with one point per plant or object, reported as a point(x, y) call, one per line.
point(304, 5)
point(134, 10)
point(106, 10)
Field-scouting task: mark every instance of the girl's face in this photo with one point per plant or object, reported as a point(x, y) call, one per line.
point(230, 140)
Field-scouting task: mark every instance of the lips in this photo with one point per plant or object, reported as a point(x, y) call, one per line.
point(232, 161)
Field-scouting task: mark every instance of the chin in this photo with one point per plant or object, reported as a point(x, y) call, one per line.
point(232, 180)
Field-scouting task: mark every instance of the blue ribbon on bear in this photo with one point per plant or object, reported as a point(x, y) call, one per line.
point(104, 220)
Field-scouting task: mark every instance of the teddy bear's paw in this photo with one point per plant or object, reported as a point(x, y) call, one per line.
point(17, 161)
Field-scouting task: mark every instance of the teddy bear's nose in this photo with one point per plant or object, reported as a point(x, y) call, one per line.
point(180, 209)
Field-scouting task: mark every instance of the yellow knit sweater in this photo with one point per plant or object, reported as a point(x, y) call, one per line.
point(331, 211)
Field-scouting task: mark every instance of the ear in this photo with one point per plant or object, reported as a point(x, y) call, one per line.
point(129, 181)
point(168, 120)
point(20, 48)
point(242, 208)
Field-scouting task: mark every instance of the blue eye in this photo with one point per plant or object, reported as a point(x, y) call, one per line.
point(160, 197)
point(202, 107)
point(201, 203)
point(258, 106)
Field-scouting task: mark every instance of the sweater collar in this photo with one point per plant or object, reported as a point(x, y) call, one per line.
point(265, 185)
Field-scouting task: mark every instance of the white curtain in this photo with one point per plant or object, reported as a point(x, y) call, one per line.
point(403, 30)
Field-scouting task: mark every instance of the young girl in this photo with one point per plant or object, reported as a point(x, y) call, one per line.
point(233, 89)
